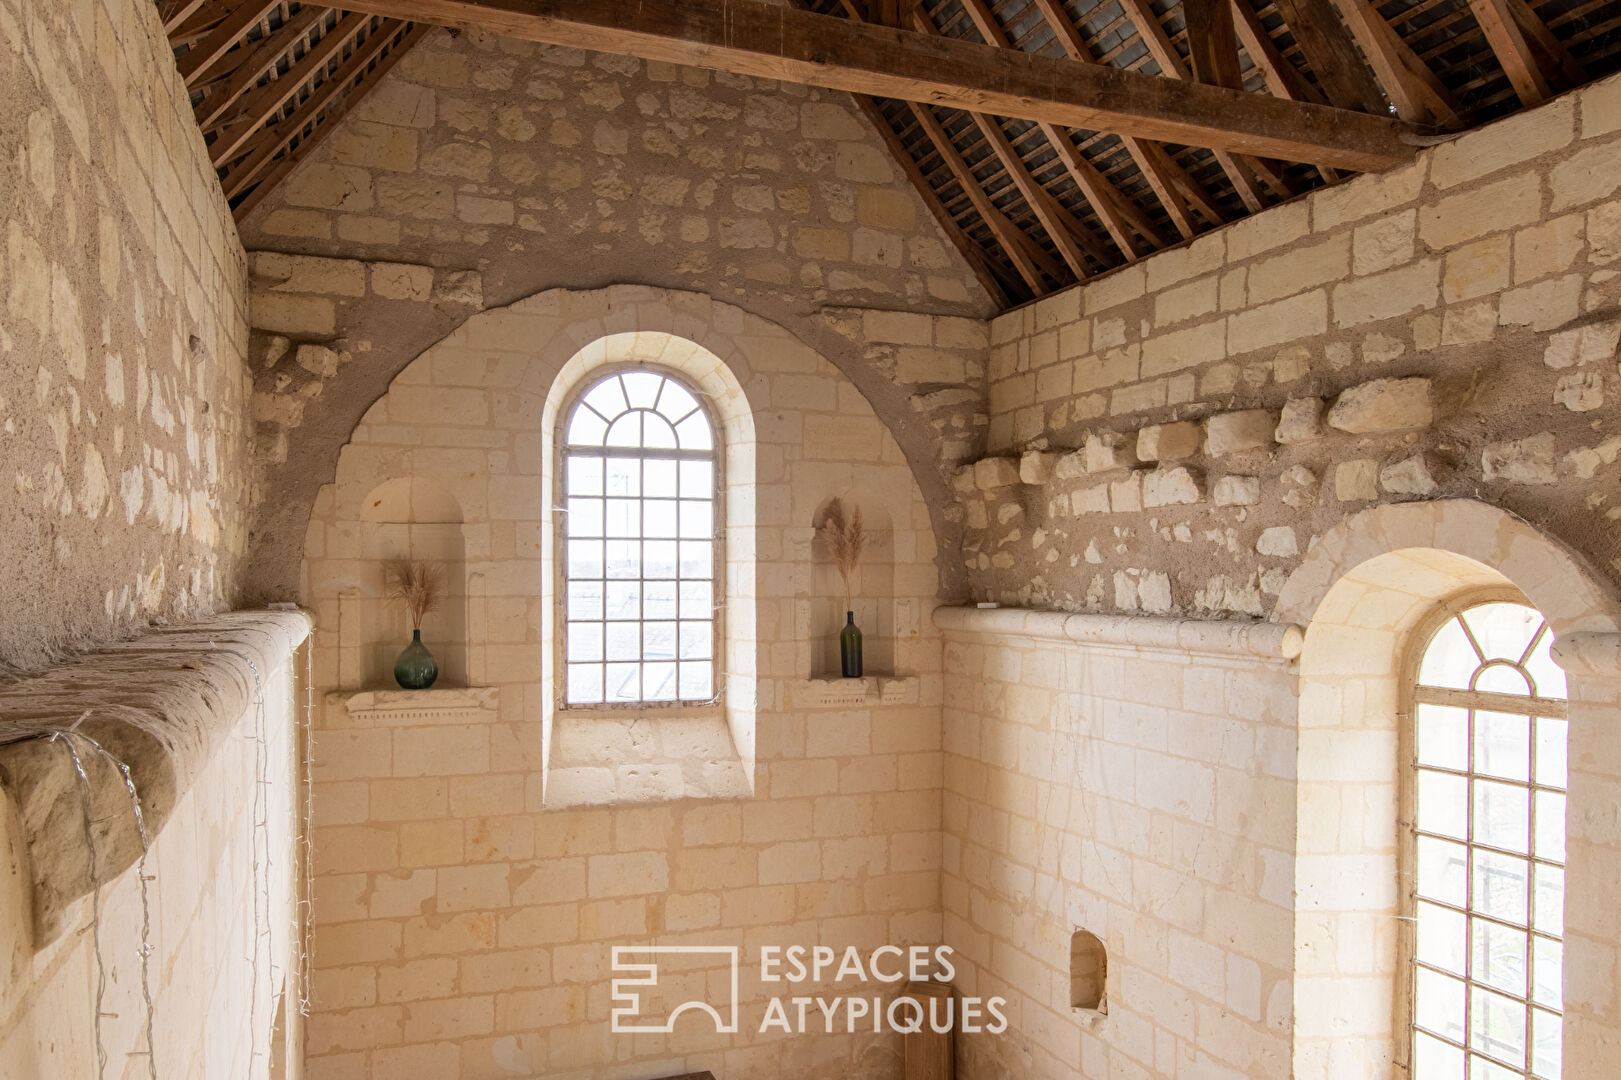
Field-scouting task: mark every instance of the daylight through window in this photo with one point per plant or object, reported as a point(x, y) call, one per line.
point(1489, 848)
point(639, 476)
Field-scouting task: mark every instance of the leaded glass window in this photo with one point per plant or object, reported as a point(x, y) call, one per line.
point(639, 482)
point(1489, 849)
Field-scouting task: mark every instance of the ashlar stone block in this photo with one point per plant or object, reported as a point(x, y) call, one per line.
point(1248, 429)
point(1383, 405)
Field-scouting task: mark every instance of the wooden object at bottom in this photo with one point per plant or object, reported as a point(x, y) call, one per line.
point(929, 1054)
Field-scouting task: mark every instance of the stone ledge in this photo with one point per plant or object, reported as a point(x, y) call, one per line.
point(835, 692)
point(1217, 637)
point(405, 708)
point(159, 704)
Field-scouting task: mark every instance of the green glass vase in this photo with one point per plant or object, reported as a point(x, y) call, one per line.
point(416, 668)
point(850, 647)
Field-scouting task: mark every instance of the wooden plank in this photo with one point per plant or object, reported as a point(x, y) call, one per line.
point(1413, 88)
point(176, 12)
point(1333, 56)
point(1212, 43)
point(223, 38)
point(265, 56)
point(754, 38)
point(323, 106)
point(1282, 77)
point(1513, 51)
point(260, 105)
point(1551, 52)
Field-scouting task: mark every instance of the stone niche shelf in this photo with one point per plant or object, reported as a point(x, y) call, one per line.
point(403, 708)
point(834, 692)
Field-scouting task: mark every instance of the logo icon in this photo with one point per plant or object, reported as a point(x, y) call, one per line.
point(627, 1011)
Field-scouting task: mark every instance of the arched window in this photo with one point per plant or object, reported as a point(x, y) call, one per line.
point(640, 484)
point(1486, 861)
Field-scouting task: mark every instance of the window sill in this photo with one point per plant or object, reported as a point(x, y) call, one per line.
point(835, 692)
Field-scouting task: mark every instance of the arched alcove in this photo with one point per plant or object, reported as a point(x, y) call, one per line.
point(872, 589)
point(1366, 594)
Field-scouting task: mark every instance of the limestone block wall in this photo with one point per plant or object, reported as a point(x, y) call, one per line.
point(123, 325)
point(523, 168)
point(1445, 329)
point(476, 864)
point(212, 742)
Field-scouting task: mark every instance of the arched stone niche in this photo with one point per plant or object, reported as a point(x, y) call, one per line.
point(1365, 593)
point(405, 517)
point(872, 589)
point(1088, 972)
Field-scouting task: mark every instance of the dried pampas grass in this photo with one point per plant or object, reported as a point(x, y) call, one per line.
point(845, 539)
point(420, 586)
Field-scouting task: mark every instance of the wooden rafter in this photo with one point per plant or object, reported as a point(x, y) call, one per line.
point(201, 58)
point(1513, 51)
point(1332, 54)
point(749, 37)
point(1413, 88)
point(1212, 43)
point(264, 58)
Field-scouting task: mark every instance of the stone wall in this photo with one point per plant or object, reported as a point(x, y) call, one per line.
point(466, 900)
point(484, 169)
point(123, 325)
point(212, 744)
point(1448, 328)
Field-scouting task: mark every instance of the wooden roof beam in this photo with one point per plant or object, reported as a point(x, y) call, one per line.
point(1333, 56)
point(1212, 43)
point(265, 57)
point(1413, 88)
point(1513, 51)
point(223, 38)
point(749, 37)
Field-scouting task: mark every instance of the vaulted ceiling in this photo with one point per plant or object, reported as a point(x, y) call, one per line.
point(1102, 131)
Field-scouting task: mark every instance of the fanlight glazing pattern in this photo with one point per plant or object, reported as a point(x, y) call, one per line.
point(639, 484)
point(1489, 849)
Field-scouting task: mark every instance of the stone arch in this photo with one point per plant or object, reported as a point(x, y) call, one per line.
point(1363, 594)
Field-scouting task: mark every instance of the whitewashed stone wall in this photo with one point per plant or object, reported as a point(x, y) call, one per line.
point(123, 326)
point(1448, 328)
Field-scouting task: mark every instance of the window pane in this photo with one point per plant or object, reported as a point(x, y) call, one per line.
point(584, 641)
point(1501, 886)
point(1546, 1044)
point(659, 518)
point(1547, 972)
point(1435, 1059)
point(624, 517)
point(586, 428)
point(695, 640)
point(1549, 676)
point(585, 558)
point(624, 476)
point(1551, 825)
point(642, 388)
point(697, 519)
point(697, 479)
point(658, 559)
point(624, 600)
point(658, 682)
point(694, 433)
point(1443, 804)
point(1450, 660)
point(623, 682)
point(585, 599)
point(697, 684)
point(1442, 938)
point(1499, 957)
point(1551, 751)
point(1443, 870)
point(697, 558)
point(1550, 899)
point(1443, 737)
point(658, 641)
point(1485, 1069)
point(1438, 1004)
point(626, 431)
point(1503, 745)
point(659, 599)
point(585, 517)
point(1503, 679)
point(657, 434)
point(674, 401)
point(1502, 816)
point(624, 641)
point(1497, 1026)
point(659, 477)
point(1503, 630)
point(584, 475)
point(695, 600)
point(623, 559)
point(607, 398)
point(584, 683)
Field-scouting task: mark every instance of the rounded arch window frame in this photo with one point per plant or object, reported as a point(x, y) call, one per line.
point(560, 451)
point(1419, 637)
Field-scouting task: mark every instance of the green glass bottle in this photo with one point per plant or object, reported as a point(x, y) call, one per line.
point(850, 647)
point(416, 668)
